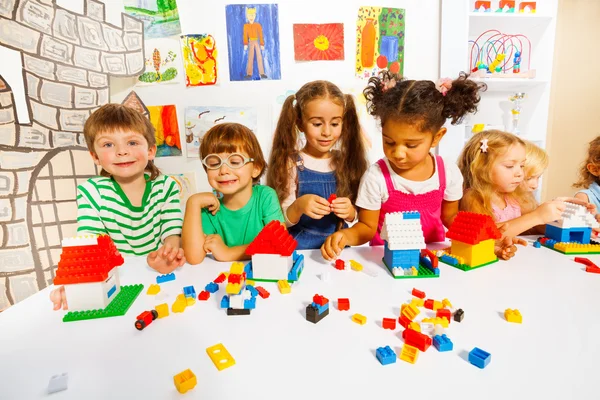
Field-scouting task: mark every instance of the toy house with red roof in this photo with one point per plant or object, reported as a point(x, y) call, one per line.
point(473, 237)
point(273, 255)
point(87, 269)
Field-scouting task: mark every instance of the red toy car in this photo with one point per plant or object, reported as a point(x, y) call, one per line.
point(145, 319)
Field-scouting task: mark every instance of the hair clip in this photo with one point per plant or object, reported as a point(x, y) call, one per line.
point(484, 145)
point(443, 85)
point(387, 84)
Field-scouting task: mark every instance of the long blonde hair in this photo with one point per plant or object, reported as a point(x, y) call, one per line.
point(476, 167)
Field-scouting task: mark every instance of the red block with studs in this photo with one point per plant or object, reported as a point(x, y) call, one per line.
point(339, 264)
point(389, 323)
point(204, 295)
point(404, 322)
point(332, 198)
point(428, 304)
point(220, 279)
point(320, 300)
point(444, 313)
point(262, 292)
point(343, 304)
point(418, 293)
point(416, 339)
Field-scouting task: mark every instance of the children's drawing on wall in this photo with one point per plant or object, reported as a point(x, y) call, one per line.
point(162, 62)
point(253, 41)
point(160, 17)
point(380, 40)
point(199, 59)
point(133, 100)
point(198, 120)
point(187, 185)
point(318, 42)
point(166, 130)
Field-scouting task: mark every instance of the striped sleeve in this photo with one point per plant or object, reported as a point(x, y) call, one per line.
point(171, 217)
point(88, 210)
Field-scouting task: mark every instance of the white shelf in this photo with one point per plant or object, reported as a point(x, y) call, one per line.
point(512, 16)
point(510, 84)
point(508, 21)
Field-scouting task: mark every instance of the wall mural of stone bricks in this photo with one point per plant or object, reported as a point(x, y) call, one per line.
point(67, 59)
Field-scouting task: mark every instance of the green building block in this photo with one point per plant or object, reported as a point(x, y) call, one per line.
point(116, 308)
point(466, 268)
point(423, 272)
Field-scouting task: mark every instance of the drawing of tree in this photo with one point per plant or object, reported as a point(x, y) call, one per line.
point(156, 61)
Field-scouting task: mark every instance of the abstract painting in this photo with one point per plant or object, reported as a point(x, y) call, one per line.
point(162, 62)
point(253, 41)
point(160, 17)
point(164, 120)
point(318, 42)
point(198, 120)
point(199, 59)
point(380, 40)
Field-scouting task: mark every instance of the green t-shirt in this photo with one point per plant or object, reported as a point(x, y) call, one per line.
point(241, 226)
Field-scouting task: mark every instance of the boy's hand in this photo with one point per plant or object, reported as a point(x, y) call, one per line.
point(333, 245)
point(343, 208)
point(214, 244)
point(206, 200)
point(59, 299)
point(166, 259)
point(314, 206)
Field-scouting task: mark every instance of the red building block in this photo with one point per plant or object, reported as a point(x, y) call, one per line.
point(332, 198)
point(234, 278)
point(444, 313)
point(418, 293)
point(473, 228)
point(320, 300)
point(432, 257)
point(416, 339)
point(220, 279)
point(404, 322)
point(339, 264)
point(389, 323)
point(262, 292)
point(343, 304)
point(204, 295)
point(428, 304)
point(273, 239)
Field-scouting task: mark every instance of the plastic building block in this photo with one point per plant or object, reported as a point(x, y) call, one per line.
point(446, 303)
point(389, 323)
point(442, 343)
point(448, 259)
point(273, 239)
point(409, 354)
point(416, 339)
point(537, 244)
point(221, 278)
point(479, 358)
point(325, 276)
point(211, 287)
point(472, 228)
point(314, 314)
point(438, 330)
point(415, 326)
point(459, 315)
point(220, 356)
point(385, 355)
point(204, 295)
point(320, 300)
point(58, 383)
point(513, 316)
point(284, 287)
point(250, 282)
point(153, 289)
point(165, 278)
point(433, 304)
point(332, 198)
point(180, 304)
point(162, 310)
point(262, 292)
point(251, 289)
point(444, 313)
point(190, 301)
point(418, 293)
point(410, 312)
point(339, 264)
point(403, 321)
point(359, 319)
point(343, 304)
point(185, 381)
point(437, 321)
point(417, 302)
point(356, 266)
point(145, 319)
point(426, 327)
point(589, 265)
point(238, 311)
point(225, 302)
point(189, 291)
point(117, 307)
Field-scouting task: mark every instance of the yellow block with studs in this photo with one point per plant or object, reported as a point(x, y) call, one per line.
point(153, 289)
point(411, 312)
point(417, 302)
point(513, 316)
point(415, 326)
point(409, 354)
point(185, 381)
point(190, 301)
point(437, 321)
point(284, 286)
point(180, 304)
point(446, 303)
point(220, 356)
point(250, 282)
point(356, 266)
point(359, 319)
point(162, 310)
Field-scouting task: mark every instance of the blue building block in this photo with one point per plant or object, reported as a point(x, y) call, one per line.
point(537, 244)
point(385, 355)
point(411, 215)
point(449, 260)
point(479, 358)
point(320, 309)
point(189, 291)
point(250, 303)
point(442, 343)
point(401, 258)
point(248, 270)
point(297, 268)
point(252, 290)
point(569, 235)
point(211, 287)
point(165, 278)
point(225, 302)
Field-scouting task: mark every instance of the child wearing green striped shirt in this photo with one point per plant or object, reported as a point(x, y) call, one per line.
point(234, 162)
point(131, 201)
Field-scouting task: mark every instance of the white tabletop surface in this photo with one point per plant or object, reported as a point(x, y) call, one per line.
point(280, 355)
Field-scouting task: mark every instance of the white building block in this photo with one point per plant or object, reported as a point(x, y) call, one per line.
point(93, 296)
point(271, 266)
point(236, 301)
point(58, 383)
point(87, 240)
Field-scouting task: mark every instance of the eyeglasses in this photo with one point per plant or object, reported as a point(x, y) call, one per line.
point(234, 161)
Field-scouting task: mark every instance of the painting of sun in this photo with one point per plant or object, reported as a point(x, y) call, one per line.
point(318, 42)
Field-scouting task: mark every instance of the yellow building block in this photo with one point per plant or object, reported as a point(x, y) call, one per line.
point(236, 268)
point(513, 316)
point(185, 381)
point(220, 356)
point(153, 289)
point(446, 303)
point(437, 321)
point(409, 354)
point(437, 305)
point(162, 310)
point(570, 248)
point(190, 301)
point(359, 319)
point(179, 304)
point(284, 287)
point(233, 288)
point(411, 312)
point(474, 255)
point(414, 271)
point(417, 302)
point(356, 266)
point(403, 307)
point(250, 282)
point(415, 326)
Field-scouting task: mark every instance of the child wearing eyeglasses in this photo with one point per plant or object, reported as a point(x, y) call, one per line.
point(234, 162)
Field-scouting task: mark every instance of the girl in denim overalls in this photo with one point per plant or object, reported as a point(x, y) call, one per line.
point(589, 176)
point(317, 176)
point(410, 177)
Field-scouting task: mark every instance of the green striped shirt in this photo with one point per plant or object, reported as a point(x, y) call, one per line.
point(103, 208)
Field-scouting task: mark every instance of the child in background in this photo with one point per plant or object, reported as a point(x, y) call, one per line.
point(589, 176)
point(410, 177)
point(332, 161)
point(131, 201)
point(233, 162)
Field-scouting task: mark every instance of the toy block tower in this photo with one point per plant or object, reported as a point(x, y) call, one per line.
point(403, 240)
point(240, 298)
point(87, 269)
point(273, 255)
point(473, 237)
point(572, 233)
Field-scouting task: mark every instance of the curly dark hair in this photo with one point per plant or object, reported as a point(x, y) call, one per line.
point(420, 102)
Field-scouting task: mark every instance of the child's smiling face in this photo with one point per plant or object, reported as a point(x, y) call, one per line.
point(507, 172)
point(230, 181)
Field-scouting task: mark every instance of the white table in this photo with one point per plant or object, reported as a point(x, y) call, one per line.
point(280, 355)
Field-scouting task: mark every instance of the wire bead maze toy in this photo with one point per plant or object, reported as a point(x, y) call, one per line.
point(495, 54)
